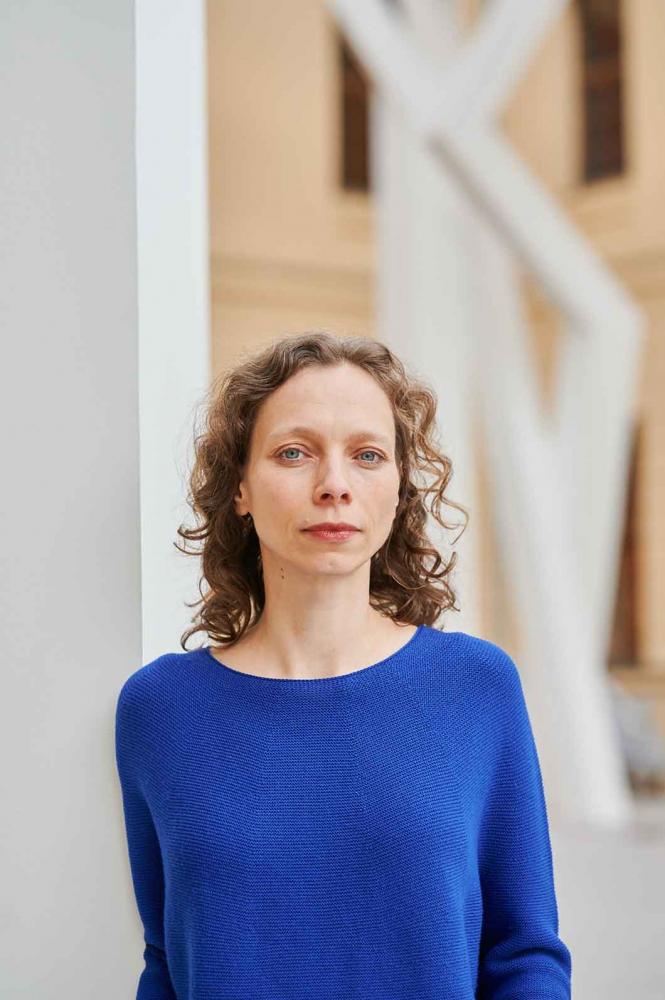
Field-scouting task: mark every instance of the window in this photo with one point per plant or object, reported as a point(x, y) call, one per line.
point(602, 88)
point(354, 166)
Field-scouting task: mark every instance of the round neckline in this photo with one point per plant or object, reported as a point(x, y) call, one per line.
point(312, 683)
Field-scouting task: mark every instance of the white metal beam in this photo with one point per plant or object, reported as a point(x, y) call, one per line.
point(571, 470)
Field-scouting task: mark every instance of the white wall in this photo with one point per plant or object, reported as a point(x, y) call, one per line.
point(71, 509)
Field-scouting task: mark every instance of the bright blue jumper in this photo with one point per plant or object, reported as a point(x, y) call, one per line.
point(381, 834)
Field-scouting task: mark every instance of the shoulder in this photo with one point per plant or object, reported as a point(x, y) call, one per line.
point(150, 685)
point(146, 710)
point(480, 670)
point(481, 658)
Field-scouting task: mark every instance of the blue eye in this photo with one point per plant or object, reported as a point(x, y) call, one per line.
point(368, 451)
point(288, 449)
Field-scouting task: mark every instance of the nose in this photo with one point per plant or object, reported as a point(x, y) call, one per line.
point(332, 483)
point(332, 494)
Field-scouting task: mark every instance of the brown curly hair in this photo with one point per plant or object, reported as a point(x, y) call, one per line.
point(408, 579)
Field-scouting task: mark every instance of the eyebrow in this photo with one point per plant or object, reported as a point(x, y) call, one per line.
point(310, 432)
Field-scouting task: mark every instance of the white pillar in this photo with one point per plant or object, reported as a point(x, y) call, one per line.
point(74, 291)
point(173, 296)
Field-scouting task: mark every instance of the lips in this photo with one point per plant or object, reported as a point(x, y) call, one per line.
point(332, 526)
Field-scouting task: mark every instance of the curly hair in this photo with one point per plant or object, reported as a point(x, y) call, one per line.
point(408, 579)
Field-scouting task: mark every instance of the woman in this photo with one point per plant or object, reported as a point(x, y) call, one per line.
point(339, 799)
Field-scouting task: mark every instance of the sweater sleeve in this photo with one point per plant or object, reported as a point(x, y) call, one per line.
point(521, 955)
point(144, 854)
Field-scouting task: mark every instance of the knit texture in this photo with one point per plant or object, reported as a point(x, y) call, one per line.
point(380, 834)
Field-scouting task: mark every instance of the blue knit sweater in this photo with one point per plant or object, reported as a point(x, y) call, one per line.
point(379, 834)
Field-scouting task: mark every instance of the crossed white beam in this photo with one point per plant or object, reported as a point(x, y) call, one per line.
point(569, 473)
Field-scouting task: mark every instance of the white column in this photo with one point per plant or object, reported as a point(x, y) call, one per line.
point(173, 296)
point(78, 484)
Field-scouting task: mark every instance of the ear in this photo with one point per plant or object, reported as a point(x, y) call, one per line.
point(240, 501)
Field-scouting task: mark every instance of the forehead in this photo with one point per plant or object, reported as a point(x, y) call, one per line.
point(340, 401)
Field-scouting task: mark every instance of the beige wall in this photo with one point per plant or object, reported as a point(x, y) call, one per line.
point(291, 251)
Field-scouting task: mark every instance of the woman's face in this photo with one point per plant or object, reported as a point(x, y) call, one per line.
point(322, 449)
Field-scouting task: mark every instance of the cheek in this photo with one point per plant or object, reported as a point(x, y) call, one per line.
point(278, 495)
point(382, 502)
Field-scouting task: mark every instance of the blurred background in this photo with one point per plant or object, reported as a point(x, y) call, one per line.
point(477, 184)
